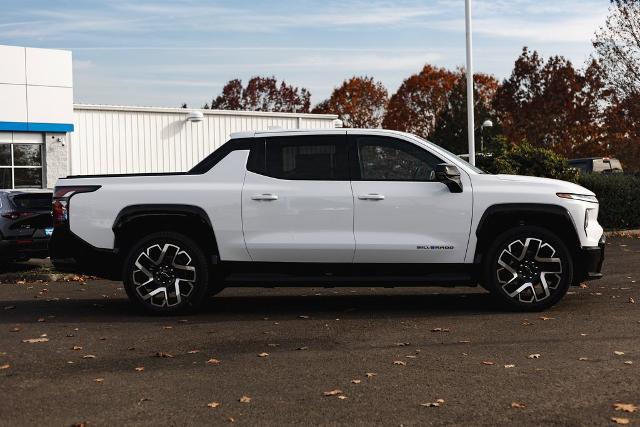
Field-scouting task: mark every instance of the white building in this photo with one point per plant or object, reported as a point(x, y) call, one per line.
point(44, 136)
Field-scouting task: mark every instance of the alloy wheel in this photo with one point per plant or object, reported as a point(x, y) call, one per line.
point(528, 270)
point(163, 275)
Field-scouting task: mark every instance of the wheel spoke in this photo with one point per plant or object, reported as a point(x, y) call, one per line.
point(531, 248)
point(185, 272)
point(168, 254)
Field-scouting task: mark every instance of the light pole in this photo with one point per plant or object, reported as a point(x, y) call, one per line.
point(470, 124)
point(486, 124)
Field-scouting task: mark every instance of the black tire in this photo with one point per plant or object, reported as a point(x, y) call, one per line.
point(528, 268)
point(172, 267)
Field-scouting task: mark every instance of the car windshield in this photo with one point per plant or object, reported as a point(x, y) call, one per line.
point(472, 167)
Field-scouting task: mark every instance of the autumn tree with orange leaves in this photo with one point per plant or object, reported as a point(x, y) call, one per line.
point(551, 104)
point(262, 94)
point(359, 102)
point(419, 101)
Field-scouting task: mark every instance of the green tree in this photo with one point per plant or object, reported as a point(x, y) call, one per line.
point(450, 129)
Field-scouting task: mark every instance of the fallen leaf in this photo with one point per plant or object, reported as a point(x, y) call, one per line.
point(99, 380)
point(517, 405)
point(584, 286)
point(213, 404)
point(464, 341)
point(487, 362)
point(625, 407)
point(42, 319)
point(263, 354)
point(5, 366)
point(167, 327)
point(356, 381)
point(546, 318)
point(35, 340)
point(144, 399)
point(213, 362)
point(628, 362)
point(411, 356)
point(618, 353)
point(76, 347)
point(231, 420)
point(440, 330)
point(534, 356)
point(435, 404)
point(631, 300)
point(335, 392)
point(583, 359)
point(342, 397)
point(620, 420)
point(163, 354)
point(509, 366)
point(245, 399)
point(402, 344)
point(140, 369)
point(302, 348)
point(193, 351)
point(88, 356)
point(399, 362)
point(370, 374)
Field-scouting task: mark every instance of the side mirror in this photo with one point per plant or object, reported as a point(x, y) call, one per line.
point(449, 175)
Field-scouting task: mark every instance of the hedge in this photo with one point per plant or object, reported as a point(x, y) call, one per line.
point(619, 197)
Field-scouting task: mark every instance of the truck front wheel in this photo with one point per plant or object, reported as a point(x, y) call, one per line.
point(528, 268)
point(166, 273)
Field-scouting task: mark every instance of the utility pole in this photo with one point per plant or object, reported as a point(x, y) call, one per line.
point(470, 124)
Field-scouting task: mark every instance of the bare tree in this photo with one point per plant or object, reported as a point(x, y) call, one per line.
point(617, 46)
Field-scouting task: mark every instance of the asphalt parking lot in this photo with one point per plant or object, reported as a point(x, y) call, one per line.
point(75, 352)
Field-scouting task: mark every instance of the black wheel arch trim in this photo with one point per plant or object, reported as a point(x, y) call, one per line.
point(524, 208)
point(134, 212)
point(503, 208)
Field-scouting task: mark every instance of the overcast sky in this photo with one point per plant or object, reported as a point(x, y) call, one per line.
point(163, 53)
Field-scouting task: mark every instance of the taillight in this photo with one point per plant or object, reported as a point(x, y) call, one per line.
point(16, 215)
point(61, 196)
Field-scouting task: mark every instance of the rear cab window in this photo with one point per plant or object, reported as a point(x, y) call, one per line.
point(302, 157)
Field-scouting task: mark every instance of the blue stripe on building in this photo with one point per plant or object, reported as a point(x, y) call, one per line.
point(36, 127)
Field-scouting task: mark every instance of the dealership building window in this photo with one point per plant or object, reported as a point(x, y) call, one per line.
point(20, 165)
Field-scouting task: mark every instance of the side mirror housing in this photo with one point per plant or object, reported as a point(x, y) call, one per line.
point(449, 175)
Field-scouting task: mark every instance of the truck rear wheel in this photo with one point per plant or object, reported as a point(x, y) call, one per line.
point(166, 273)
point(528, 268)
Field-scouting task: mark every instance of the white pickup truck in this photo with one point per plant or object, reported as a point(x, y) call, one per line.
point(338, 207)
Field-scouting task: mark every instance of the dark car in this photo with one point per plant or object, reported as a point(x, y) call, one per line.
point(604, 165)
point(26, 225)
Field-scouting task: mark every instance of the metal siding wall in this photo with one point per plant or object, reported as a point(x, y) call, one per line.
point(130, 141)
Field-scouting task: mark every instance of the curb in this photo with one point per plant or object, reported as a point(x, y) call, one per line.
point(623, 233)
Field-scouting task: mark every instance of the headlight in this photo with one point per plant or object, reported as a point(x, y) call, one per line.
point(581, 197)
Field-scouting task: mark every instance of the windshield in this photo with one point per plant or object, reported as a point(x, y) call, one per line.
point(472, 167)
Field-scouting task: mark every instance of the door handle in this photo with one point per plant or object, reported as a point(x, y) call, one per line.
point(371, 196)
point(265, 197)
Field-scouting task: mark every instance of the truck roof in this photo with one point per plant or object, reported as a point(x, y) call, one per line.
point(326, 131)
